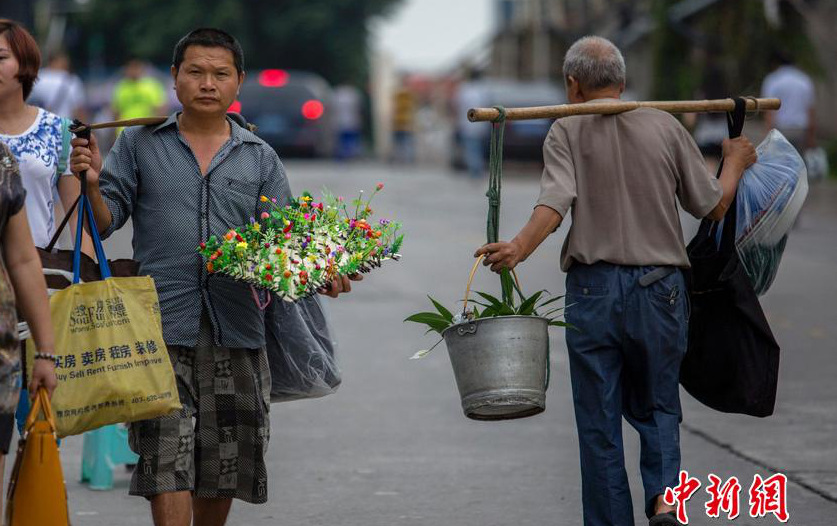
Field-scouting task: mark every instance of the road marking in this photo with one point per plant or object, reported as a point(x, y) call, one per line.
point(729, 448)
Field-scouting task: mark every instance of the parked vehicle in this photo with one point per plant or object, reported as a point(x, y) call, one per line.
point(523, 139)
point(291, 110)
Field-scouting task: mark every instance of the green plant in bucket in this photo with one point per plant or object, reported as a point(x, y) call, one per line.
point(538, 304)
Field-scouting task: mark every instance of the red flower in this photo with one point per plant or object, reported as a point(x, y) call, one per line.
point(288, 274)
point(203, 246)
point(267, 267)
point(268, 277)
point(239, 238)
point(380, 186)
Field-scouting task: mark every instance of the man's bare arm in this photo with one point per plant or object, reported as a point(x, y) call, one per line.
point(739, 154)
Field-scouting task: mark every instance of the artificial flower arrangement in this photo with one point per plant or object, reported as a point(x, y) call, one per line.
point(297, 249)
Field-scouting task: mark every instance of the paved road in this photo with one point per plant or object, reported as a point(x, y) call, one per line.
point(392, 446)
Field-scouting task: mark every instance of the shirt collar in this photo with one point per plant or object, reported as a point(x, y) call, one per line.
point(168, 122)
point(606, 99)
point(237, 133)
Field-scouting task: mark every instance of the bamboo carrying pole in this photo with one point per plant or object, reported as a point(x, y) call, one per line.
point(141, 121)
point(609, 108)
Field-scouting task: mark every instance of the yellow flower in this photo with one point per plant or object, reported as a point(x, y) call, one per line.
point(263, 199)
point(241, 246)
point(257, 226)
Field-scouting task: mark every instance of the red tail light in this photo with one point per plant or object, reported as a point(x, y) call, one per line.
point(312, 110)
point(273, 78)
point(235, 107)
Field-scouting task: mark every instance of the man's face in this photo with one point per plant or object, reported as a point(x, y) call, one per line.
point(134, 70)
point(207, 81)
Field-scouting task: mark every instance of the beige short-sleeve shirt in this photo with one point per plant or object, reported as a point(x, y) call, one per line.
point(621, 177)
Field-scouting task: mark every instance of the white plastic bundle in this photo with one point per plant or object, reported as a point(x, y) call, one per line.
point(770, 195)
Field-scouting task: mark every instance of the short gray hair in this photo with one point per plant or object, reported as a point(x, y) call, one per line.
point(595, 62)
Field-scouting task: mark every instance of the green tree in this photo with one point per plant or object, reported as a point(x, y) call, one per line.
point(329, 37)
point(735, 35)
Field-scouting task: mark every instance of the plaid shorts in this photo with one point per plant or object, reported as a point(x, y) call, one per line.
point(215, 445)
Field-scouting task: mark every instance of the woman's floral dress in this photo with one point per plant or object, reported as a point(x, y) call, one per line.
point(12, 196)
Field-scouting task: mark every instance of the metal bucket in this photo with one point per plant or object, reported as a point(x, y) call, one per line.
point(500, 366)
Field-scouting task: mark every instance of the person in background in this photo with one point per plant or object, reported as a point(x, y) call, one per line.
point(348, 118)
point(58, 90)
point(138, 94)
point(403, 125)
point(622, 177)
point(472, 135)
point(22, 286)
point(796, 118)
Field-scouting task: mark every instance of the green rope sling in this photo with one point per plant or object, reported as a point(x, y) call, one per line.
point(495, 178)
point(492, 225)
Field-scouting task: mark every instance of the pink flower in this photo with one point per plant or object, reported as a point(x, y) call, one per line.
point(288, 235)
point(380, 186)
point(265, 215)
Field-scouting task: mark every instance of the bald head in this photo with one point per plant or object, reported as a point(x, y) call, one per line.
point(595, 63)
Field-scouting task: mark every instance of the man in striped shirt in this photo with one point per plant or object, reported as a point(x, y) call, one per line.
point(197, 174)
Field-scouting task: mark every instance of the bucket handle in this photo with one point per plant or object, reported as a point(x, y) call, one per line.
point(471, 279)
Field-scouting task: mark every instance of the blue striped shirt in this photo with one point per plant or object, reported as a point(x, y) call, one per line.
point(152, 176)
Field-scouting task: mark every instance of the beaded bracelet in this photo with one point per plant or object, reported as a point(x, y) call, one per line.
point(45, 356)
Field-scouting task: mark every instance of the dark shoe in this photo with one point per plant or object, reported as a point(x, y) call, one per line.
point(668, 518)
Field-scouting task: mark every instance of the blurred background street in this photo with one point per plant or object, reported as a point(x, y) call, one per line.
point(355, 92)
point(392, 445)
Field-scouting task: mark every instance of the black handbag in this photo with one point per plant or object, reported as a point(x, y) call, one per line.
point(732, 361)
point(58, 264)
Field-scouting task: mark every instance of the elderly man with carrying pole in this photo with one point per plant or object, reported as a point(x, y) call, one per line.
point(621, 177)
point(196, 174)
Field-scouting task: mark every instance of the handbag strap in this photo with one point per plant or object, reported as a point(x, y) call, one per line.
point(735, 124)
point(86, 210)
point(61, 165)
point(63, 224)
point(40, 404)
point(709, 228)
